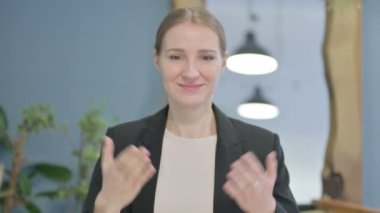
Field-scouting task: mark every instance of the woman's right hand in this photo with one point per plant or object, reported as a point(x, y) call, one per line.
point(123, 176)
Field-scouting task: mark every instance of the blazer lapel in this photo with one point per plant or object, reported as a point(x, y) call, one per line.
point(228, 149)
point(151, 139)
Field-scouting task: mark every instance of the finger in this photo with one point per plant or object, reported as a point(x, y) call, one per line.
point(230, 189)
point(241, 178)
point(107, 152)
point(252, 164)
point(233, 192)
point(144, 150)
point(131, 160)
point(147, 174)
point(141, 167)
point(128, 155)
point(271, 165)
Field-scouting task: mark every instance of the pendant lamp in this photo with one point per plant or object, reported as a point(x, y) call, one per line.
point(258, 107)
point(251, 58)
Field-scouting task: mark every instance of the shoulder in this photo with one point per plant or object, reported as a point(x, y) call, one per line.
point(128, 128)
point(251, 137)
point(254, 138)
point(128, 133)
point(239, 128)
point(250, 130)
point(134, 129)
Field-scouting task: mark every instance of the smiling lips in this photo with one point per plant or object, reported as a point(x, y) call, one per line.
point(190, 87)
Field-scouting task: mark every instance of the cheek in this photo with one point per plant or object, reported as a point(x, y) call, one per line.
point(174, 70)
point(212, 74)
point(169, 75)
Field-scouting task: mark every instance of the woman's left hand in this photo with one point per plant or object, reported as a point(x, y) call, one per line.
point(250, 185)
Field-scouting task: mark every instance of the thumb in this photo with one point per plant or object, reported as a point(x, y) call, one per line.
point(107, 152)
point(271, 166)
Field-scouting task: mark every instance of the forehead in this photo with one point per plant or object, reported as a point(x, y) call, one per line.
point(191, 35)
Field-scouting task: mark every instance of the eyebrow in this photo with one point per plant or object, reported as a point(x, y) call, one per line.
point(208, 51)
point(201, 50)
point(174, 50)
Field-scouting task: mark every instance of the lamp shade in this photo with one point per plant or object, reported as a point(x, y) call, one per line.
point(258, 107)
point(251, 59)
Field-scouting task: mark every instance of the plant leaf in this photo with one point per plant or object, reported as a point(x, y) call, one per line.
point(38, 117)
point(92, 125)
point(31, 207)
point(53, 194)
point(4, 141)
point(81, 190)
point(91, 155)
point(3, 120)
point(48, 194)
point(24, 186)
point(53, 172)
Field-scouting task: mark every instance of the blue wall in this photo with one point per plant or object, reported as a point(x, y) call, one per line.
point(67, 53)
point(371, 102)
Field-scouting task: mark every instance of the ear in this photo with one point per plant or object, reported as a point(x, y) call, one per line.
point(155, 60)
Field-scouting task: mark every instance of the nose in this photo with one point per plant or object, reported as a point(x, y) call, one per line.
point(191, 71)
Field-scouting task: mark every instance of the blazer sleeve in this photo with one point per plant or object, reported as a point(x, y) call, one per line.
point(96, 185)
point(285, 201)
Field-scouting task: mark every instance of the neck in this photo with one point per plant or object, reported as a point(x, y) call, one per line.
point(191, 122)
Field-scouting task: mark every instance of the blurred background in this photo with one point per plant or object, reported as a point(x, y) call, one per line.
point(91, 64)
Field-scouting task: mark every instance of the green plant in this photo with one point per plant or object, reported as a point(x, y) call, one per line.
point(92, 126)
point(18, 179)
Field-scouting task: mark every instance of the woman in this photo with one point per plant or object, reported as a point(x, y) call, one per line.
point(190, 157)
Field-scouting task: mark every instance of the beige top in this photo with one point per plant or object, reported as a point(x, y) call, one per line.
point(186, 176)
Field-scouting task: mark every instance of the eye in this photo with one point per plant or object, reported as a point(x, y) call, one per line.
point(208, 57)
point(175, 57)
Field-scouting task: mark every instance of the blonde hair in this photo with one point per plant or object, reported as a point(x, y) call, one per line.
point(194, 15)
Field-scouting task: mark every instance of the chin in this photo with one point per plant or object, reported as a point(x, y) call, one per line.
point(192, 102)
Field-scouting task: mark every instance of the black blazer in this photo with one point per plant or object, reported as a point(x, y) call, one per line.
point(234, 138)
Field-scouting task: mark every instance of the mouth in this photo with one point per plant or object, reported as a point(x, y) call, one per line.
point(190, 87)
